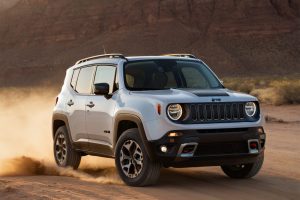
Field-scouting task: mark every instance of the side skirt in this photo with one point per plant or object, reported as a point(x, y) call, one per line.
point(94, 149)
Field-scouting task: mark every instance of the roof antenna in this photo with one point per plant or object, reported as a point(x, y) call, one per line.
point(104, 49)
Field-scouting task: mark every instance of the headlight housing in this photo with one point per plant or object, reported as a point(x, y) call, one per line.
point(174, 111)
point(250, 109)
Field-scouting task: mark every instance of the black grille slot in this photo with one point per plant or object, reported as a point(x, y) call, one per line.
point(216, 112)
point(208, 112)
point(228, 111)
point(194, 112)
point(222, 111)
point(241, 111)
point(201, 112)
point(227, 130)
point(221, 148)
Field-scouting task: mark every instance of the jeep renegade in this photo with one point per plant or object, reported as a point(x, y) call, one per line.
point(149, 112)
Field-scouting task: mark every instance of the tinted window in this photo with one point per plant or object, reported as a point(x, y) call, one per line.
point(165, 74)
point(84, 80)
point(106, 74)
point(74, 78)
point(194, 78)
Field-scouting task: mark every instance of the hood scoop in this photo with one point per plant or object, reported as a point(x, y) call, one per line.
point(208, 93)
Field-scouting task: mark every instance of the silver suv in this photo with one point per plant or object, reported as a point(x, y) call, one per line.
point(149, 112)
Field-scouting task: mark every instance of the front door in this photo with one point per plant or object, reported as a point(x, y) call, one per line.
point(100, 111)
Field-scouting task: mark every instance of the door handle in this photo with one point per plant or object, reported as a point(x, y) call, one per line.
point(91, 104)
point(70, 103)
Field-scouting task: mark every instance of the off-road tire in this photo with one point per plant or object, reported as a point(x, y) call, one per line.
point(72, 157)
point(247, 171)
point(150, 170)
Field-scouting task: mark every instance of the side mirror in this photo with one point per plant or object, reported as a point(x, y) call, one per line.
point(101, 88)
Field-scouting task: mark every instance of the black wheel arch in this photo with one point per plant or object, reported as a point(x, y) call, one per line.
point(138, 122)
point(59, 120)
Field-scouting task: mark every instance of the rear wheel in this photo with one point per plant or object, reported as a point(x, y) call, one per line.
point(64, 154)
point(132, 161)
point(244, 170)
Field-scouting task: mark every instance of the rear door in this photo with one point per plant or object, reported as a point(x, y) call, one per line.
point(76, 104)
point(99, 116)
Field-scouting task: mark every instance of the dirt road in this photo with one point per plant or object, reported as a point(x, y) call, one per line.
point(279, 178)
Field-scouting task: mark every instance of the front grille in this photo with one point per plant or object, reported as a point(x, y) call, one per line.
point(216, 112)
point(221, 148)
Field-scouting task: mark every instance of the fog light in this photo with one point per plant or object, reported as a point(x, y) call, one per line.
point(163, 148)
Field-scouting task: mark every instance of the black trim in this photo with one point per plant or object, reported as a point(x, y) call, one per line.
point(138, 121)
point(214, 140)
point(61, 117)
point(206, 92)
point(94, 149)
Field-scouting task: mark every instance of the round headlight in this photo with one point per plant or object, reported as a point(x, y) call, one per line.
point(250, 109)
point(174, 111)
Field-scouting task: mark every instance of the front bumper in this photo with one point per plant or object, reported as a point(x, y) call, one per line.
point(212, 147)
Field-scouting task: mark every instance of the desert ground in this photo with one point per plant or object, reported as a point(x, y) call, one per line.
point(36, 177)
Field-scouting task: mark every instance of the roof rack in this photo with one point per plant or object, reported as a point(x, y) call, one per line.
point(112, 55)
point(181, 55)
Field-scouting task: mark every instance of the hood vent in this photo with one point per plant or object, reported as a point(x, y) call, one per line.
point(208, 93)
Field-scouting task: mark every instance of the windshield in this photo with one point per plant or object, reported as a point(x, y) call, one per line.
point(166, 74)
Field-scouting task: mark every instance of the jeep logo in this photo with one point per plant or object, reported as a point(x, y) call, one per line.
point(215, 99)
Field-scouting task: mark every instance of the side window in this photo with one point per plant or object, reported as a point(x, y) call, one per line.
point(74, 78)
point(106, 74)
point(194, 78)
point(84, 80)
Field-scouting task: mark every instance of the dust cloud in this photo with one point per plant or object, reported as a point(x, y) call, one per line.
point(26, 141)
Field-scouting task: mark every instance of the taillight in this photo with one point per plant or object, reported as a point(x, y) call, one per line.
point(56, 100)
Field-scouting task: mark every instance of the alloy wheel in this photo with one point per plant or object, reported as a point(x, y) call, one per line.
point(61, 148)
point(131, 159)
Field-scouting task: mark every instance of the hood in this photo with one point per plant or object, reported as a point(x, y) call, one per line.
point(194, 95)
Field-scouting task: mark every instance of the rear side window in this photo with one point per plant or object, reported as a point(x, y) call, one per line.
point(74, 78)
point(106, 74)
point(83, 85)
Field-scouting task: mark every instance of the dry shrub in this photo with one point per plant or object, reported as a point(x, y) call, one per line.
point(267, 95)
point(280, 92)
point(272, 91)
point(288, 92)
point(242, 85)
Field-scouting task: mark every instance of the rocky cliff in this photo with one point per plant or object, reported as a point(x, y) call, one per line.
point(39, 39)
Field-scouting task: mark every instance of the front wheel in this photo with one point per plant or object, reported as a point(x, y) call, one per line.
point(64, 154)
point(244, 170)
point(132, 161)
